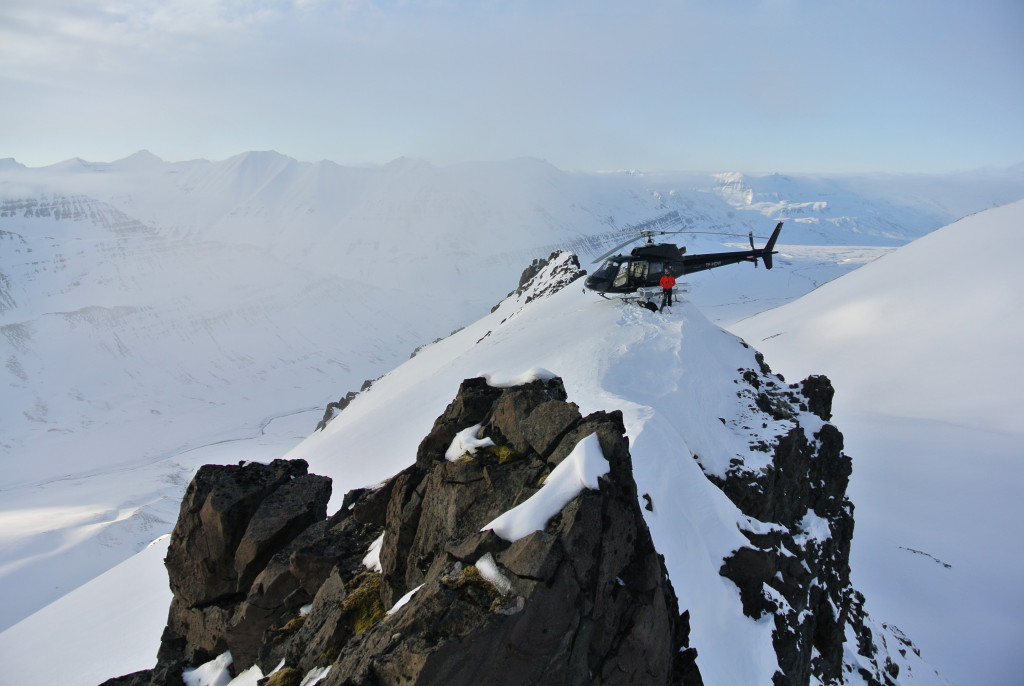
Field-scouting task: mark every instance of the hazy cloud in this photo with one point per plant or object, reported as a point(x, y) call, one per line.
point(772, 84)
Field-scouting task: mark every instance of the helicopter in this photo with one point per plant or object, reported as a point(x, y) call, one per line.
point(630, 276)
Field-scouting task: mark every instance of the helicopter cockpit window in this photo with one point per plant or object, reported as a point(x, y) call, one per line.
point(622, 277)
point(607, 270)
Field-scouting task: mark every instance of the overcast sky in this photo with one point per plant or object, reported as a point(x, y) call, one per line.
point(703, 85)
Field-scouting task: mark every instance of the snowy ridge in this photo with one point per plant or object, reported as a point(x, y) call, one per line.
point(672, 376)
point(132, 358)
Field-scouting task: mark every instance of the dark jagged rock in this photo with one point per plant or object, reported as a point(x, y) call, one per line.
point(134, 679)
point(257, 568)
point(557, 271)
point(215, 513)
point(588, 601)
point(469, 408)
point(507, 422)
point(284, 514)
point(798, 571)
point(233, 521)
point(819, 393)
point(334, 408)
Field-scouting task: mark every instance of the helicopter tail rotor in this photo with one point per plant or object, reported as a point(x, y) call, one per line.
point(769, 247)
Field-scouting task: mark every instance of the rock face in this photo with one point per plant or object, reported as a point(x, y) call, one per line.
point(797, 568)
point(258, 568)
point(224, 564)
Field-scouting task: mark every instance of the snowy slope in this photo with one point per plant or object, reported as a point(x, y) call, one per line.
point(673, 378)
point(923, 346)
point(172, 313)
point(149, 308)
point(126, 607)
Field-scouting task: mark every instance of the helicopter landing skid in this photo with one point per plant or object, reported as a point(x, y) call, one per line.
point(647, 297)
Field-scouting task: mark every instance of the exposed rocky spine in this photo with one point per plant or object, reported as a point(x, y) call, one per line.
point(257, 568)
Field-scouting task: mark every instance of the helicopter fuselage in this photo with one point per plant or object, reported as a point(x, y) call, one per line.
point(626, 273)
point(646, 264)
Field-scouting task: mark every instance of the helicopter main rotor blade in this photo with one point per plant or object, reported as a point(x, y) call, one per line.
point(720, 233)
point(616, 249)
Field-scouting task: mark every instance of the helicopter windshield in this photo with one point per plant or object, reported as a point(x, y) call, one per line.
point(607, 270)
point(627, 273)
point(622, 276)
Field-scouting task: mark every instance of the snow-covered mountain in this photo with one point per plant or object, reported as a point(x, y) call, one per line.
point(674, 378)
point(160, 315)
point(695, 402)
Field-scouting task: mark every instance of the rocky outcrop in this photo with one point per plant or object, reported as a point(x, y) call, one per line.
point(140, 678)
point(545, 276)
point(223, 560)
point(333, 409)
point(797, 566)
point(408, 583)
point(258, 568)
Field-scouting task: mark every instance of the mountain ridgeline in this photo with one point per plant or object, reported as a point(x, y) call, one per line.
point(412, 582)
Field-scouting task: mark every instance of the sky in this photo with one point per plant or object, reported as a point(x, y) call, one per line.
point(589, 85)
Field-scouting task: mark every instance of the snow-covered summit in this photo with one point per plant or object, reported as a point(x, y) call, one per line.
point(140, 161)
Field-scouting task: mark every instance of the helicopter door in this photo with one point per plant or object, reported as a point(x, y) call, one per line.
point(638, 273)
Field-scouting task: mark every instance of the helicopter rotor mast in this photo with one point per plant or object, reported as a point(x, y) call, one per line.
point(645, 230)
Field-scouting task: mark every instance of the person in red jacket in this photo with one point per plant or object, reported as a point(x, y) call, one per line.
point(667, 283)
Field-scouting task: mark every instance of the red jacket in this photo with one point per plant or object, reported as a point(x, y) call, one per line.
point(668, 281)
